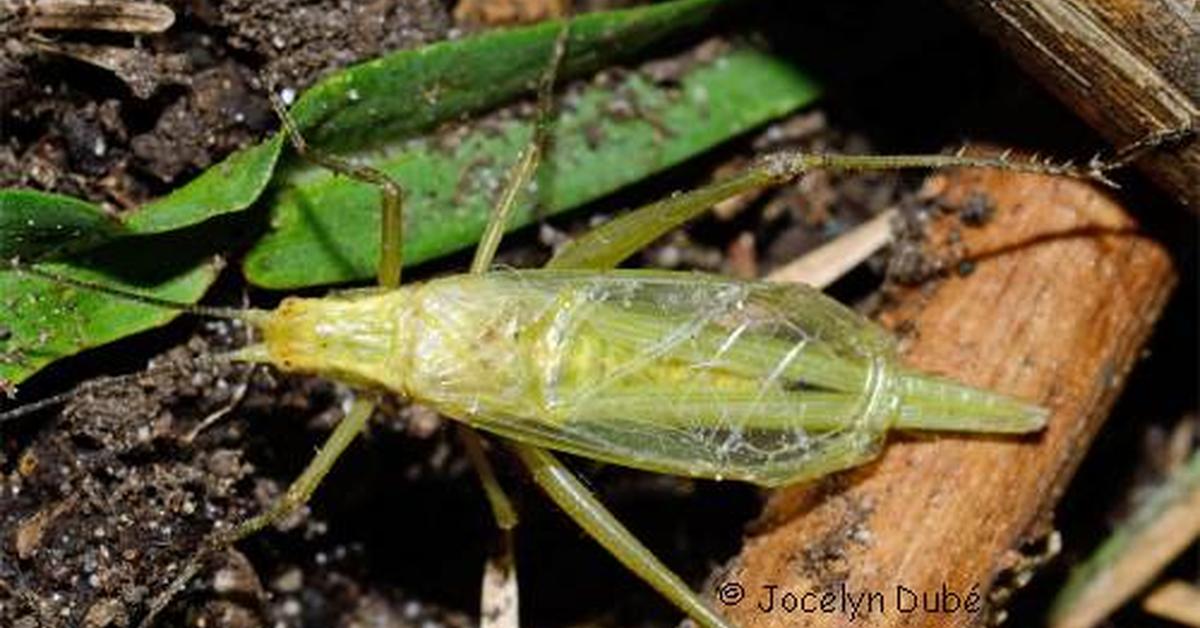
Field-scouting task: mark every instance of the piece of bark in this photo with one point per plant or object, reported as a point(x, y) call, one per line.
point(499, 12)
point(1129, 68)
point(829, 262)
point(121, 16)
point(1062, 297)
point(1177, 601)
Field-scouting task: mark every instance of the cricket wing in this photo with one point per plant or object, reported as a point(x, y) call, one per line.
point(673, 372)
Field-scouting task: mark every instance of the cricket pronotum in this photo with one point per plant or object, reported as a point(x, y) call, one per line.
point(679, 373)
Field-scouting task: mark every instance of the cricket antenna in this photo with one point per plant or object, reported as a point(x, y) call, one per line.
point(248, 315)
point(35, 406)
point(32, 407)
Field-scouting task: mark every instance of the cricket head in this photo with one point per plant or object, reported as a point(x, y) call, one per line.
point(347, 338)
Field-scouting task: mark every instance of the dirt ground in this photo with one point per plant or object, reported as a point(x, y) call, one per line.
point(103, 499)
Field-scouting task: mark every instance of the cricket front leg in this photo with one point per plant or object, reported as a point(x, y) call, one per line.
point(391, 229)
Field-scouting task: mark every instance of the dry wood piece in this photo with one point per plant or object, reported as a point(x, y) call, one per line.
point(120, 16)
point(1063, 296)
point(495, 12)
point(1177, 601)
point(1162, 528)
point(826, 264)
point(1129, 68)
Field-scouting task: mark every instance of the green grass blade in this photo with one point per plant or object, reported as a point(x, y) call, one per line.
point(1161, 527)
point(228, 187)
point(325, 227)
point(399, 95)
point(35, 224)
point(392, 97)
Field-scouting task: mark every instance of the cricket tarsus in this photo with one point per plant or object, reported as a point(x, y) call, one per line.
point(1137, 149)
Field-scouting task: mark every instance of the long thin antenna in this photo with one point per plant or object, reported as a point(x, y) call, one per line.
point(251, 316)
point(32, 407)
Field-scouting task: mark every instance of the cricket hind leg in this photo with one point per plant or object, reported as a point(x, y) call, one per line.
point(609, 244)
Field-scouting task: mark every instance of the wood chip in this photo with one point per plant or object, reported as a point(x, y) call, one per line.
point(96, 15)
point(1064, 295)
point(1177, 601)
point(826, 264)
point(1166, 524)
point(500, 12)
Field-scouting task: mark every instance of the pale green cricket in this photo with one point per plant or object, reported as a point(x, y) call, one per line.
point(676, 372)
point(682, 373)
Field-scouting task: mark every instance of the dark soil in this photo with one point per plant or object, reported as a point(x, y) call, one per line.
point(181, 100)
point(103, 500)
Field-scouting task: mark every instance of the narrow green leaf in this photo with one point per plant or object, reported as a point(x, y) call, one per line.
point(230, 186)
point(1146, 542)
point(36, 224)
point(43, 321)
point(395, 96)
point(325, 228)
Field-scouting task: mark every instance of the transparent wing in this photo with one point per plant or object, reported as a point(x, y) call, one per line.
point(673, 372)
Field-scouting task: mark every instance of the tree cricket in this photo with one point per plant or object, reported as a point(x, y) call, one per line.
point(682, 373)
